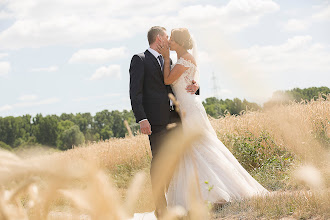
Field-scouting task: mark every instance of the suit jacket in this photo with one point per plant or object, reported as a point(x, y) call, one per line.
point(148, 93)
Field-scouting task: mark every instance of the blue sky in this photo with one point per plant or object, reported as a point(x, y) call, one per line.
point(73, 56)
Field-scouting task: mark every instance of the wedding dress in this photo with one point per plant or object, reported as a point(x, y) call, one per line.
point(221, 178)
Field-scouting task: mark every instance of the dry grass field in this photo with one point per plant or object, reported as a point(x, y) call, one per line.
point(286, 148)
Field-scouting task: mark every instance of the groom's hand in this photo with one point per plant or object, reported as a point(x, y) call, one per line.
point(193, 87)
point(145, 127)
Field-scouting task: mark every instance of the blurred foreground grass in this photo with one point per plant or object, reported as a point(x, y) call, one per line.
point(286, 148)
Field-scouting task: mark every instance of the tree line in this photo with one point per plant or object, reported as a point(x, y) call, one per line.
point(296, 94)
point(66, 130)
point(63, 131)
point(218, 107)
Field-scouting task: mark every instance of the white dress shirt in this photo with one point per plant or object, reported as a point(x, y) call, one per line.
point(156, 54)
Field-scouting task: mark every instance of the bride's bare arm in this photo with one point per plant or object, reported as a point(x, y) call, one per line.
point(171, 75)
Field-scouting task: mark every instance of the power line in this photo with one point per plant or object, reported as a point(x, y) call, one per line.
point(215, 86)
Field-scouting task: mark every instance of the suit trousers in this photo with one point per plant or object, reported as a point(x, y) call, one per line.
point(158, 135)
point(156, 138)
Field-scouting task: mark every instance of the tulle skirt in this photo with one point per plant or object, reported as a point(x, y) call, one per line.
point(218, 175)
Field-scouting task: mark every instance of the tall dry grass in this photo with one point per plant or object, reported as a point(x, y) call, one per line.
point(110, 179)
point(301, 128)
point(299, 135)
point(99, 181)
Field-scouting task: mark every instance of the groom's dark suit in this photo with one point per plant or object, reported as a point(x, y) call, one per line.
point(149, 100)
point(148, 93)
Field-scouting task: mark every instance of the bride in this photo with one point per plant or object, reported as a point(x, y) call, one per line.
point(215, 164)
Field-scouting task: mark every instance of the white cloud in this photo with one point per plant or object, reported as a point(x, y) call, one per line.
point(225, 91)
point(296, 43)
point(256, 71)
point(28, 97)
point(322, 15)
point(64, 22)
point(5, 15)
point(98, 55)
point(38, 23)
point(37, 103)
point(5, 108)
point(296, 54)
point(296, 25)
point(105, 72)
point(220, 93)
point(2, 55)
point(4, 68)
point(45, 69)
point(203, 57)
point(233, 17)
point(26, 103)
point(252, 6)
point(87, 98)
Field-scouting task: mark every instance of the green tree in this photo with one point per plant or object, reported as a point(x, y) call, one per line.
point(129, 117)
point(296, 94)
point(118, 127)
point(71, 136)
point(46, 129)
point(213, 107)
point(103, 122)
point(5, 146)
point(84, 121)
point(62, 127)
point(10, 130)
point(218, 107)
point(65, 117)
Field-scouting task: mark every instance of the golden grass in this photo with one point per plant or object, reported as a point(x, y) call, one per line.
point(297, 204)
point(110, 179)
point(303, 129)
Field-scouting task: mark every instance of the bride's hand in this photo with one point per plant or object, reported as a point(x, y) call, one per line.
point(192, 89)
point(163, 49)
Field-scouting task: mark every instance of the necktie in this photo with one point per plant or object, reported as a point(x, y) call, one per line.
point(160, 58)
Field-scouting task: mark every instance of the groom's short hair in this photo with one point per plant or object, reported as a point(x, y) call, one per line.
point(153, 32)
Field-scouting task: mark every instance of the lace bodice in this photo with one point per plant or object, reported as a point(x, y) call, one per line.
point(189, 75)
point(179, 86)
point(190, 104)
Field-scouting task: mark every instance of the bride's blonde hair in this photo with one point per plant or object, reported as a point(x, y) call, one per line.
point(182, 37)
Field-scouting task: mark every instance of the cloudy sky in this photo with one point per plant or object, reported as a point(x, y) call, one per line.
point(73, 55)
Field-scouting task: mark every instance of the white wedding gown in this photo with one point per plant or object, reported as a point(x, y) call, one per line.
point(221, 177)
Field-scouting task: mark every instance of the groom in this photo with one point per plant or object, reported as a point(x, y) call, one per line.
point(149, 98)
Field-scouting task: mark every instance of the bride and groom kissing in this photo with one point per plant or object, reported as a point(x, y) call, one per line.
point(152, 78)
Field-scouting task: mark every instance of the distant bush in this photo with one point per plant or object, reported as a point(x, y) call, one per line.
point(219, 107)
point(70, 137)
point(5, 146)
point(262, 157)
